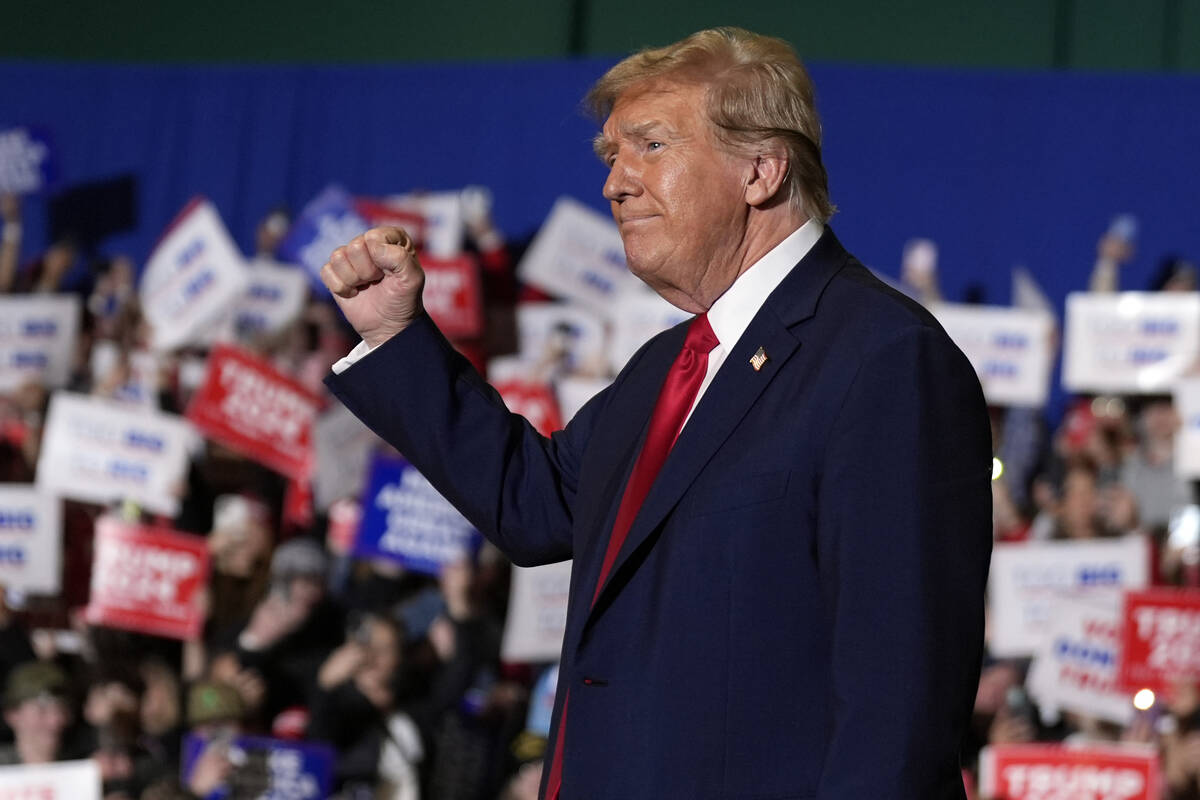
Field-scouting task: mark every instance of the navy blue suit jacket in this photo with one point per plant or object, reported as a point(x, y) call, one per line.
point(798, 609)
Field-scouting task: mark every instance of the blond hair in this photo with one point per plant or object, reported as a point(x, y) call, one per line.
point(758, 92)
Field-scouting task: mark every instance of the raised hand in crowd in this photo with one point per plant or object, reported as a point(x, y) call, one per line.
point(377, 282)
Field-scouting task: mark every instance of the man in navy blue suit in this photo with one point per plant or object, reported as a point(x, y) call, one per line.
point(781, 534)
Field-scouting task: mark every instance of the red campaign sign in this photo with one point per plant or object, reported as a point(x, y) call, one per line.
point(453, 295)
point(147, 579)
point(1055, 772)
point(533, 401)
point(1160, 637)
point(377, 214)
point(252, 408)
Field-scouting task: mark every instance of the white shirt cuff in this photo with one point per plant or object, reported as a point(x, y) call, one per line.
point(353, 357)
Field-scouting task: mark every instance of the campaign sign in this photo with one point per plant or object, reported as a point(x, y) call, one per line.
point(537, 613)
point(266, 769)
point(102, 451)
point(441, 212)
point(1187, 439)
point(62, 780)
point(37, 339)
point(1057, 772)
point(147, 579)
point(30, 539)
point(1161, 638)
point(274, 297)
point(453, 295)
point(1028, 578)
point(1132, 342)
point(377, 213)
point(574, 393)
point(192, 279)
point(325, 224)
point(558, 339)
point(252, 408)
point(1076, 668)
point(534, 401)
point(578, 255)
point(404, 519)
point(1012, 349)
point(637, 317)
point(343, 450)
point(27, 161)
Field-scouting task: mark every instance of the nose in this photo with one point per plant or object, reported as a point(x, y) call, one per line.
point(622, 180)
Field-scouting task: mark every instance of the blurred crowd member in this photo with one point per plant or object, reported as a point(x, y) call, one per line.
point(37, 707)
point(270, 232)
point(1114, 249)
point(294, 628)
point(361, 687)
point(1149, 470)
point(10, 239)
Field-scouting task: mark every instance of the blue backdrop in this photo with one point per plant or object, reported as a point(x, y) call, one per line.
point(1000, 168)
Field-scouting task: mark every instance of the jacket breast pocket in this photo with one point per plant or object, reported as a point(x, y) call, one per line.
point(735, 492)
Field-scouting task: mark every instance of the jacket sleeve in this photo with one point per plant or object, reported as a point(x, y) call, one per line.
point(516, 486)
point(904, 543)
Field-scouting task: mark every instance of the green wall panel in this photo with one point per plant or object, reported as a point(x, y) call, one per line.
point(1037, 34)
point(272, 30)
point(1118, 34)
point(1014, 33)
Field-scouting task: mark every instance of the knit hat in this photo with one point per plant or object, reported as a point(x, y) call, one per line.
point(34, 679)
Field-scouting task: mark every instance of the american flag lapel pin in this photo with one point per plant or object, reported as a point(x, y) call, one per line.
point(758, 359)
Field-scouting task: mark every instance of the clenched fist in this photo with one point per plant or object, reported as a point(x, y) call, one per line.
point(377, 283)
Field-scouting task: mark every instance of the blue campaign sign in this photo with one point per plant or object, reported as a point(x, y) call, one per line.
point(266, 769)
point(405, 519)
point(326, 223)
point(27, 160)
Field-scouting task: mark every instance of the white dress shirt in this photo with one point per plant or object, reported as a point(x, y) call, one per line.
point(730, 315)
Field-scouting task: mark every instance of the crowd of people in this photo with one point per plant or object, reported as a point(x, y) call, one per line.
point(398, 671)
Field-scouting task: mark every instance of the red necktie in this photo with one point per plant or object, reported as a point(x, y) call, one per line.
point(670, 411)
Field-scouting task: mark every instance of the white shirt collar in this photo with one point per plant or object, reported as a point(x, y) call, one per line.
point(730, 315)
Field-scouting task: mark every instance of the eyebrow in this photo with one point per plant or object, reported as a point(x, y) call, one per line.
point(602, 146)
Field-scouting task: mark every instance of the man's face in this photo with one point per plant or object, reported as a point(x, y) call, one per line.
point(38, 724)
point(677, 196)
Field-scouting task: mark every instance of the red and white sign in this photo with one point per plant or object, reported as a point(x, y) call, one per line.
point(1076, 668)
point(1161, 638)
point(534, 401)
point(1054, 772)
point(146, 579)
point(377, 214)
point(249, 406)
point(453, 295)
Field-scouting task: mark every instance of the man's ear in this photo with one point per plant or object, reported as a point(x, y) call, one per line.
point(769, 171)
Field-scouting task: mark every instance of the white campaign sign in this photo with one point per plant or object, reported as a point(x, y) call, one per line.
point(561, 339)
point(30, 540)
point(637, 316)
point(37, 339)
point(343, 452)
point(101, 451)
point(63, 780)
point(1187, 440)
point(1133, 342)
point(1077, 667)
point(192, 279)
point(443, 229)
point(1027, 580)
point(1012, 349)
point(274, 297)
point(578, 255)
point(573, 394)
point(537, 613)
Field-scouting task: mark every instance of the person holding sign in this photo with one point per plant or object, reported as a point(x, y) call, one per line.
point(779, 512)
